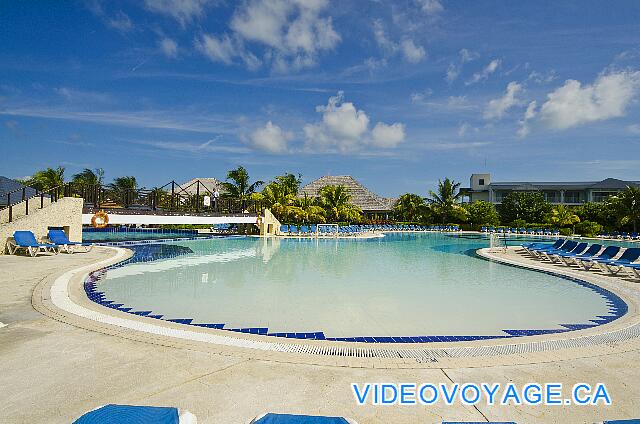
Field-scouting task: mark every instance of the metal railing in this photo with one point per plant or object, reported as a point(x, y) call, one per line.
point(169, 198)
point(52, 194)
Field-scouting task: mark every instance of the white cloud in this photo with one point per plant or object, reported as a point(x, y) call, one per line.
point(271, 138)
point(169, 47)
point(529, 114)
point(345, 128)
point(293, 32)
point(387, 136)
point(454, 69)
point(496, 108)
point(217, 49)
point(431, 7)
point(485, 73)
point(574, 104)
point(421, 96)
point(409, 50)
point(412, 52)
point(634, 129)
point(120, 22)
point(183, 11)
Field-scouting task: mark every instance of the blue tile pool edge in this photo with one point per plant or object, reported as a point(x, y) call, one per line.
point(617, 306)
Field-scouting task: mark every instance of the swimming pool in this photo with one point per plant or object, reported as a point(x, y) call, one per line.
point(399, 288)
point(118, 234)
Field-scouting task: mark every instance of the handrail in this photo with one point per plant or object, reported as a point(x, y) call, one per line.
point(53, 194)
point(158, 198)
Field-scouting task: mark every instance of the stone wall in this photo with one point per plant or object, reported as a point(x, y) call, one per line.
point(20, 209)
point(66, 212)
point(270, 225)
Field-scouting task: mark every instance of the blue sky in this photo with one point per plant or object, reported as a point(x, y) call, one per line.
point(397, 93)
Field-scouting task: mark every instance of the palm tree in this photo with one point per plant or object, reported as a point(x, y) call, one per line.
point(445, 202)
point(312, 212)
point(239, 186)
point(336, 201)
point(627, 206)
point(563, 216)
point(124, 188)
point(47, 178)
point(409, 207)
point(276, 197)
point(89, 177)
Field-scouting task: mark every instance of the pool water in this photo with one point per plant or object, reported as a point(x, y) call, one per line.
point(401, 285)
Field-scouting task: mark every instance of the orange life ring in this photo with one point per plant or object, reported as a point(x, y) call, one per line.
point(100, 219)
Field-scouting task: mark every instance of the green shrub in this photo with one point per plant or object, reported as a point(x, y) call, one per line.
point(566, 231)
point(588, 228)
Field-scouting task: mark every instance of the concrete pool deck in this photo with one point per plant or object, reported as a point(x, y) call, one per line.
point(53, 371)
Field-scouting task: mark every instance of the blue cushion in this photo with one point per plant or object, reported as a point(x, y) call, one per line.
point(299, 419)
point(116, 414)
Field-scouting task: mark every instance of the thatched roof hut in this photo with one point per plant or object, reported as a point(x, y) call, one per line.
point(372, 205)
point(206, 185)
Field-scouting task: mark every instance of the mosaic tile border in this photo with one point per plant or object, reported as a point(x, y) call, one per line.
point(144, 252)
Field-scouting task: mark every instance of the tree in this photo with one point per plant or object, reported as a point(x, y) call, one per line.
point(529, 206)
point(47, 179)
point(124, 183)
point(445, 203)
point(410, 207)
point(124, 189)
point(238, 185)
point(89, 177)
point(482, 213)
point(626, 204)
point(311, 211)
point(336, 201)
point(563, 216)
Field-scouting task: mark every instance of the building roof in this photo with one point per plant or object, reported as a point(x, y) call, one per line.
point(206, 184)
point(608, 184)
point(361, 196)
point(8, 185)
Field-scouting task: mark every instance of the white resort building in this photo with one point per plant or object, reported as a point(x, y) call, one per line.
point(566, 193)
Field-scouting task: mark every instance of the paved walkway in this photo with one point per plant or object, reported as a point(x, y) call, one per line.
point(53, 372)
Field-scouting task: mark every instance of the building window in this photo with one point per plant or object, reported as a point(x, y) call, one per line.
point(498, 196)
point(573, 197)
point(481, 181)
point(551, 196)
point(601, 196)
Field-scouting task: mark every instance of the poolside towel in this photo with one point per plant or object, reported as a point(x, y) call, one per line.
point(298, 419)
point(117, 414)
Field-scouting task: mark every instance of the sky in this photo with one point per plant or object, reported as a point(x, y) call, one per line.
point(398, 93)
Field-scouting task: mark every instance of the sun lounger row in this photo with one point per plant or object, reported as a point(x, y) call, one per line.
point(620, 236)
point(356, 229)
point(529, 231)
point(609, 259)
point(57, 241)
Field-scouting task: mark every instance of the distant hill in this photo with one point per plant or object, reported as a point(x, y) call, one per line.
point(8, 185)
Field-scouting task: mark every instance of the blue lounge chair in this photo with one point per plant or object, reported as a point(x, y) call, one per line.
point(136, 414)
point(27, 241)
point(568, 258)
point(608, 253)
point(60, 238)
point(541, 245)
point(299, 419)
point(579, 249)
point(569, 247)
point(633, 270)
point(615, 265)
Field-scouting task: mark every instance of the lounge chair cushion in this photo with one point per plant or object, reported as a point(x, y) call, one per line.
point(298, 419)
point(116, 414)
